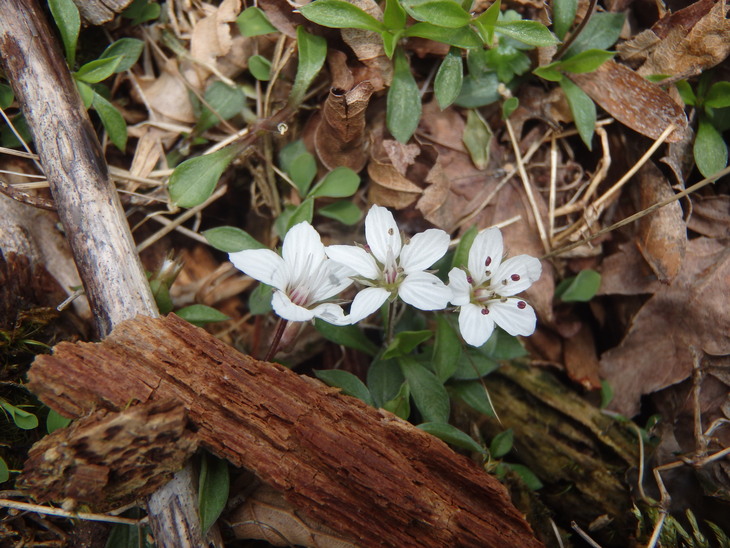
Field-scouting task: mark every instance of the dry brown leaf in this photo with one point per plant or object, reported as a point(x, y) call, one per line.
point(581, 361)
point(390, 188)
point(400, 155)
point(692, 311)
point(627, 273)
point(147, 153)
point(662, 236)
point(711, 216)
point(368, 46)
point(282, 16)
point(633, 100)
point(168, 96)
point(211, 37)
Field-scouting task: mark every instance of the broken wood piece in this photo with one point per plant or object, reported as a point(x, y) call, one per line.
point(360, 471)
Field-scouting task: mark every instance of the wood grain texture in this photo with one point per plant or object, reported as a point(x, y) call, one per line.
point(358, 470)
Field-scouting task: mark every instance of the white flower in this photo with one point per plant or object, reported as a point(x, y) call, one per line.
point(485, 292)
point(303, 276)
point(388, 267)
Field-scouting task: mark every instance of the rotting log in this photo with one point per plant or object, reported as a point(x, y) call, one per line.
point(89, 208)
point(360, 471)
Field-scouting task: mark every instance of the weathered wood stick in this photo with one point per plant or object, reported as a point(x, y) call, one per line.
point(360, 471)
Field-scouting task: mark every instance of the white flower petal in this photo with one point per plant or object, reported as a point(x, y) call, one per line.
point(263, 265)
point(381, 233)
point(355, 258)
point(286, 309)
point(424, 291)
point(302, 250)
point(424, 249)
point(459, 286)
point(475, 327)
point(331, 313)
point(366, 302)
point(486, 248)
point(515, 275)
point(331, 279)
point(513, 319)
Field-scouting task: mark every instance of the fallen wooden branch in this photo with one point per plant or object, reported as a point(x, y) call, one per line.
point(361, 471)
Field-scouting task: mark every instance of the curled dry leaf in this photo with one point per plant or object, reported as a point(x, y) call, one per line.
point(211, 37)
point(692, 311)
point(662, 236)
point(368, 46)
point(390, 188)
point(633, 100)
point(167, 95)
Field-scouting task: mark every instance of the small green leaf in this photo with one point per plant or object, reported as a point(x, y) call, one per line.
point(161, 293)
point(86, 92)
point(474, 394)
point(341, 182)
point(580, 288)
point(473, 365)
point(461, 253)
point(127, 49)
point(214, 484)
point(4, 471)
point(549, 72)
point(404, 100)
point(427, 391)
point(405, 342)
point(260, 67)
point(259, 301)
point(585, 61)
point(601, 32)
point(508, 61)
point(199, 314)
point(194, 180)
point(394, 16)
point(509, 106)
point(390, 41)
point(718, 96)
point(347, 382)
point(339, 14)
point(464, 37)
point(6, 96)
point(347, 335)
point(563, 16)
point(67, 18)
point(54, 421)
point(502, 444)
point(224, 101)
point(345, 212)
point(446, 349)
point(231, 239)
point(253, 22)
point(710, 150)
point(312, 53)
point(527, 32)
point(303, 212)
point(478, 91)
point(583, 109)
point(686, 93)
point(503, 346)
point(141, 11)
point(450, 76)
point(384, 380)
point(96, 71)
point(486, 22)
point(302, 171)
point(528, 476)
point(400, 405)
point(443, 13)
point(112, 121)
point(606, 393)
point(289, 153)
point(451, 434)
point(22, 419)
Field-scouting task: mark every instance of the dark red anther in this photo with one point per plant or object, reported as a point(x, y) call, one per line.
point(485, 311)
point(488, 261)
point(470, 279)
point(515, 277)
point(521, 305)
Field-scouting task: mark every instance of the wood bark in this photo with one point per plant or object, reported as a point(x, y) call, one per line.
point(361, 471)
point(85, 198)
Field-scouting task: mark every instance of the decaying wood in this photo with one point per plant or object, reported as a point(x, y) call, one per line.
point(88, 207)
point(360, 471)
point(98, 12)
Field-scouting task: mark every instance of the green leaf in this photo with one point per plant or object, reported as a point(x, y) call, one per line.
point(464, 37)
point(291, 152)
point(601, 32)
point(260, 67)
point(502, 444)
point(67, 18)
point(461, 253)
point(450, 76)
point(718, 96)
point(710, 150)
point(345, 212)
point(96, 71)
point(563, 16)
point(4, 471)
point(400, 405)
point(478, 91)
point(341, 182)
point(503, 346)
point(404, 100)
point(394, 16)
point(312, 53)
point(86, 92)
point(451, 434)
point(606, 394)
point(194, 180)
point(259, 301)
point(22, 419)
point(686, 93)
point(253, 22)
point(473, 365)
point(427, 391)
point(303, 212)
point(527, 32)
point(580, 288)
point(585, 61)
point(231, 239)
point(141, 11)
point(347, 335)
point(302, 172)
point(509, 106)
point(405, 342)
point(583, 109)
point(200, 314)
point(213, 488)
point(161, 293)
point(127, 49)
point(486, 22)
point(347, 382)
point(474, 394)
point(112, 121)
point(507, 61)
point(442, 13)
point(446, 349)
point(6, 96)
point(549, 72)
point(338, 14)
point(54, 421)
point(225, 102)
point(384, 380)
point(528, 476)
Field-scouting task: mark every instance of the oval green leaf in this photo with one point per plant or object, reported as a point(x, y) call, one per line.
point(404, 100)
point(253, 22)
point(4, 471)
point(96, 71)
point(601, 32)
point(451, 434)
point(347, 382)
point(338, 14)
point(347, 335)
point(718, 96)
point(194, 180)
point(127, 49)
point(585, 61)
point(54, 421)
point(527, 32)
point(446, 349)
point(67, 18)
point(384, 381)
point(450, 76)
point(200, 314)
point(502, 443)
point(112, 121)
point(583, 109)
point(710, 149)
point(563, 16)
point(345, 212)
point(427, 391)
point(461, 38)
point(231, 239)
point(473, 365)
point(312, 53)
point(405, 342)
point(580, 288)
point(442, 13)
point(341, 182)
point(224, 101)
point(214, 484)
point(260, 67)
point(474, 394)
